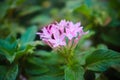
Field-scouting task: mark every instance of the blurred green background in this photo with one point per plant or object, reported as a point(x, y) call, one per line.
point(100, 17)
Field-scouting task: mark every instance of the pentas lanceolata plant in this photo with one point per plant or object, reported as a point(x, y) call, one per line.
point(62, 35)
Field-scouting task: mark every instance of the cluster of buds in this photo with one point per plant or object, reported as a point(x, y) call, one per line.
point(62, 34)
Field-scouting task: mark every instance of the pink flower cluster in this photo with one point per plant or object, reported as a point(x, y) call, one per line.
point(55, 34)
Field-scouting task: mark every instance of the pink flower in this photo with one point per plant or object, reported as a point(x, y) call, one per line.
point(55, 34)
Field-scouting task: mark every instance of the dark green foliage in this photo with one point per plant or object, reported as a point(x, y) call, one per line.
point(8, 72)
point(74, 73)
point(101, 59)
point(15, 48)
point(22, 54)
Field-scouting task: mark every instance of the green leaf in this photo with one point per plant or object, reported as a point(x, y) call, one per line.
point(36, 71)
point(8, 49)
point(44, 60)
point(49, 58)
point(44, 64)
point(81, 57)
point(46, 77)
point(10, 39)
point(29, 35)
point(43, 53)
point(101, 59)
point(74, 74)
point(27, 49)
point(36, 61)
point(8, 73)
point(11, 73)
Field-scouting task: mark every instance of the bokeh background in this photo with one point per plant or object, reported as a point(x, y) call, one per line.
point(100, 17)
